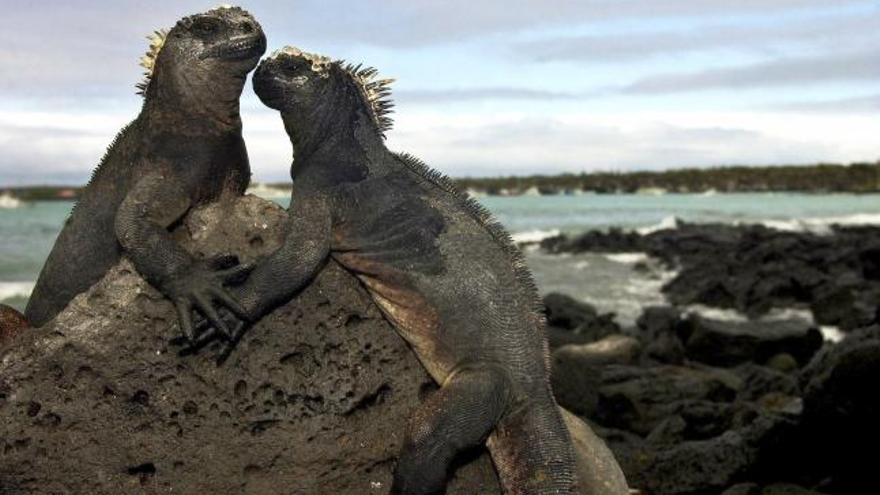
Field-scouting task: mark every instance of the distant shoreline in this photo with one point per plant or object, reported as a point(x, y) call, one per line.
point(820, 178)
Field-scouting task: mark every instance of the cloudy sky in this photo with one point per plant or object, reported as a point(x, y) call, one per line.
point(486, 87)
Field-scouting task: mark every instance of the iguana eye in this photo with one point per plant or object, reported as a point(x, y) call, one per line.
point(204, 26)
point(290, 67)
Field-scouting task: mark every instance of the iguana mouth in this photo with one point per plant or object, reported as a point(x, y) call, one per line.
point(238, 48)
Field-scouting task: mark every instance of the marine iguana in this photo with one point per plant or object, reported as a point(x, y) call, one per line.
point(444, 273)
point(183, 149)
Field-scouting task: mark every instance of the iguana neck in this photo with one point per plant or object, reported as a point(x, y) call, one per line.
point(337, 141)
point(195, 104)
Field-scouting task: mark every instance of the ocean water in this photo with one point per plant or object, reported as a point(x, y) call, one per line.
point(619, 283)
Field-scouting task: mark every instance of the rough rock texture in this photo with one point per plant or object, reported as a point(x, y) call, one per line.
point(313, 400)
point(575, 322)
point(842, 407)
point(753, 268)
point(577, 370)
point(637, 399)
point(659, 327)
point(726, 343)
point(11, 323)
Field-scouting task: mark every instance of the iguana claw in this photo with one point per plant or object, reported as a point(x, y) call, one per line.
point(201, 289)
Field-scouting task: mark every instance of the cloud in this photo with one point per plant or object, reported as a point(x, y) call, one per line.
point(827, 33)
point(517, 144)
point(404, 23)
point(69, 70)
point(858, 66)
point(861, 104)
point(64, 148)
point(471, 94)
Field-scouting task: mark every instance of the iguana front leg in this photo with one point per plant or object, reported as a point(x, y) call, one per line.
point(155, 203)
point(277, 278)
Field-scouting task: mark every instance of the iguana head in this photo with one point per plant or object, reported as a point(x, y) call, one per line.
point(204, 53)
point(304, 85)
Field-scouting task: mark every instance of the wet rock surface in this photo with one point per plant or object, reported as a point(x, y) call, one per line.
point(313, 400)
point(752, 268)
point(726, 343)
point(785, 419)
point(760, 405)
point(570, 321)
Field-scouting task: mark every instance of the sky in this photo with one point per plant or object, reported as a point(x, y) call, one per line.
point(485, 87)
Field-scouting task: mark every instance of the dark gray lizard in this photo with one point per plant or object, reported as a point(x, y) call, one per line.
point(184, 148)
point(442, 271)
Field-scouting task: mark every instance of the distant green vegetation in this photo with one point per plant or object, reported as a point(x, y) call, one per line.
point(853, 178)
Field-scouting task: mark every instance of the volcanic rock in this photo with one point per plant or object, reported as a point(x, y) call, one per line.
point(313, 400)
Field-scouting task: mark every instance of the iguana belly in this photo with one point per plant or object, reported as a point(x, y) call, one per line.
point(408, 310)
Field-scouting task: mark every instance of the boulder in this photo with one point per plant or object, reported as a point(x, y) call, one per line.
point(571, 321)
point(699, 466)
point(313, 400)
point(787, 489)
point(659, 328)
point(728, 343)
point(841, 407)
point(577, 370)
point(11, 323)
point(846, 303)
point(637, 399)
point(743, 489)
point(614, 240)
point(759, 381)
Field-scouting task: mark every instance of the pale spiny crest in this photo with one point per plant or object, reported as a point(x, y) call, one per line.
point(157, 41)
point(148, 61)
point(377, 93)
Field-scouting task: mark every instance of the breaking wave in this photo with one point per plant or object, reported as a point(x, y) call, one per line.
point(13, 290)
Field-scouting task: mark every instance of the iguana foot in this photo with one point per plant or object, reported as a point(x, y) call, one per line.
point(206, 333)
point(201, 288)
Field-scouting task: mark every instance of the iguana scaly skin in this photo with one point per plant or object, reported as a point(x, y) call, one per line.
point(443, 272)
point(184, 148)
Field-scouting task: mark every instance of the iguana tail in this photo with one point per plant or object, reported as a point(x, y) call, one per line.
point(597, 470)
point(532, 451)
point(539, 452)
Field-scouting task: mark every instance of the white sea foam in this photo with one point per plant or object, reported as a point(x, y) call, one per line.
point(776, 314)
point(822, 225)
point(816, 225)
point(716, 313)
point(668, 223)
point(533, 236)
point(627, 258)
point(9, 201)
point(9, 290)
point(267, 192)
point(831, 334)
point(581, 265)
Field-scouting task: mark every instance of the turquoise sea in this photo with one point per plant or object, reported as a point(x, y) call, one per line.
point(28, 232)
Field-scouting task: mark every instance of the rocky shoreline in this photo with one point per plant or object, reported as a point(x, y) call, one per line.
point(314, 399)
point(695, 405)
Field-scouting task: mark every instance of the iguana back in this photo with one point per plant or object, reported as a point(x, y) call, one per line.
point(443, 272)
point(184, 148)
